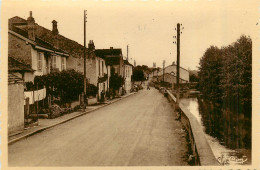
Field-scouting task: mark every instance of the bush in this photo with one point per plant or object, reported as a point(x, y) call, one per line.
point(66, 85)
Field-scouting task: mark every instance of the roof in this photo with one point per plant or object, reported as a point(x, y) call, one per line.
point(112, 60)
point(112, 56)
point(13, 79)
point(126, 62)
point(17, 66)
point(45, 37)
point(103, 53)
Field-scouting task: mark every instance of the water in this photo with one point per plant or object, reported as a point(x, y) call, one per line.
point(228, 140)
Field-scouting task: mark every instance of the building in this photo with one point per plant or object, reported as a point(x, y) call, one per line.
point(113, 60)
point(25, 47)
point(128, 72)
point(170, 75)
point(97, 71)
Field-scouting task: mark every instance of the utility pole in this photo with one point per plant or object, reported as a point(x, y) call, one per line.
point(85, 74)
point(178, 61)
point(127, 53)
point(163, 70)
point(178, 64)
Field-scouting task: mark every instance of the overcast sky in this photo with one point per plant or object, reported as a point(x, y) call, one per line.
point(148, 27)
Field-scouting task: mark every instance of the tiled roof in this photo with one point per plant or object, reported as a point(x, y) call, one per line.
point(111, 56)
point(16, 66)
point(46, 38)
point(126, 62)
point(13, 79)
point(103, 53)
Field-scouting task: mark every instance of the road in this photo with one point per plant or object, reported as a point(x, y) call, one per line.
point(139, 130)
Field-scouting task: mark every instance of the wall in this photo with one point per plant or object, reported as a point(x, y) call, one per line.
point(128, 74)
point(199, 144)
point(15, 108)
point(91, 70)
point(18, 49)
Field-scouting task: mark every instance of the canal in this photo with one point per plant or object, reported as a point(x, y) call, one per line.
point(228, 135)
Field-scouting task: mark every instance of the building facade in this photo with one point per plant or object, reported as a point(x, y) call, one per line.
point(128, 72)
point(26, 48)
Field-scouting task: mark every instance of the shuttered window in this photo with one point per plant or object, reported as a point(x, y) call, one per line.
point(39, 61)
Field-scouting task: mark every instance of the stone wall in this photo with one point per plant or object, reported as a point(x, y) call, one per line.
point(202, 152)
point(15, 108)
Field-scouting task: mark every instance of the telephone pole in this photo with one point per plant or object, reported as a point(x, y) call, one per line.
point(163, 70)
point(85, 74)
point(127, 53)
point(178, 61)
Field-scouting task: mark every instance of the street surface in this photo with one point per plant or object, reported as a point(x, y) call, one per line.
point(139, 130)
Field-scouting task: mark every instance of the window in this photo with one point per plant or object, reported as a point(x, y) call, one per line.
point(39, 61)
point(63, 63)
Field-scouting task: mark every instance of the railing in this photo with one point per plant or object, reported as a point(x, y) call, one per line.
point(202, 153)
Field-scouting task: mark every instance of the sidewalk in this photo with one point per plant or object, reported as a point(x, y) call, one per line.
point(44, 124)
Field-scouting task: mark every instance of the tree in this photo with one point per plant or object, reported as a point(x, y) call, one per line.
point(138, 75)
point(116, 81)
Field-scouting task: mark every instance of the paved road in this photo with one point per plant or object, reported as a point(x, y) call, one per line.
point(137, 131)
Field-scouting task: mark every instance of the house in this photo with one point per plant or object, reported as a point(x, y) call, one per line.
point(97, 71)
point(170, 74)
point(54, 52)
point(113, 60)
point(128, 72)
point(37, 56)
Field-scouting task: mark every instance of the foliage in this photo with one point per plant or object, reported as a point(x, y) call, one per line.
point(116, 81)
point(102, 79)
point(138, 74)
point(225, 76)
point(194, 78)
point(66, 85)
point(92, 90)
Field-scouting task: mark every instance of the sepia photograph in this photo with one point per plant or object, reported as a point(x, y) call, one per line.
point(113, 83)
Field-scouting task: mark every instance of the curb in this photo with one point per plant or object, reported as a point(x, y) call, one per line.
point(48, 127)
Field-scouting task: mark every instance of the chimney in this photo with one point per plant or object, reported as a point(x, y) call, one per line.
point(55, 28)
point(91, 45)
point(55, 32)
point(111, 48)
point(31, 27)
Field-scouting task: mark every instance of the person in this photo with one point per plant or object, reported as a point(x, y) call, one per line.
point(148, 88)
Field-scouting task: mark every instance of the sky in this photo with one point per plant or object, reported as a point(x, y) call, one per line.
point(147, 27)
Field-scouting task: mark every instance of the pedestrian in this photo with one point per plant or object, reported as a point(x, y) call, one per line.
point(148, 88)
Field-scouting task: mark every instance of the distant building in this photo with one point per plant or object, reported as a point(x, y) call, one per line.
point(170, 74)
